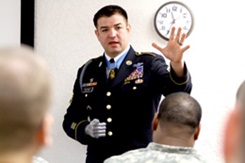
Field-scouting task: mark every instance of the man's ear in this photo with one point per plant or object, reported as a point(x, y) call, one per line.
point(232, 135)
point(196, 134)
point(128, 27)
point(155, 122)
point(96, 32)
point(44, 134)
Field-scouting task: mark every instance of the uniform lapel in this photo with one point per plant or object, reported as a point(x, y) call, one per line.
point(126, 67)
point(102, 70)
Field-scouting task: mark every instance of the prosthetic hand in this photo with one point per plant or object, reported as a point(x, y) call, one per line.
point(96, 129)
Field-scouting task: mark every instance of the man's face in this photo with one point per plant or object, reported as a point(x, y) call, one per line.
point(112, 33)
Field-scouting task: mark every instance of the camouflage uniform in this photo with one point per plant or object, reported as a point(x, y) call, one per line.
point(156, 153)
point(37, 159)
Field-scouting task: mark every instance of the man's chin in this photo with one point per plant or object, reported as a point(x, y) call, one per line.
point(115, 51)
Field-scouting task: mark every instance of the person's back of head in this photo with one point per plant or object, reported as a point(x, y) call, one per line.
point(25, 96)
point(234, 137)
point(178, 120)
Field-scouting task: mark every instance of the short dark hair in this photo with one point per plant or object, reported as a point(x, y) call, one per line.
point(109, 11)
point(180, 108)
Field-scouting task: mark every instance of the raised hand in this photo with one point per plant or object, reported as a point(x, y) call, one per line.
point(174, 50)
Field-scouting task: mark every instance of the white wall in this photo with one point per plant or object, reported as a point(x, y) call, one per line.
point(65, 37)
point(9, 22)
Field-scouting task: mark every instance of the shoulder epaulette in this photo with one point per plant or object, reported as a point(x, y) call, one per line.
point(145, 53)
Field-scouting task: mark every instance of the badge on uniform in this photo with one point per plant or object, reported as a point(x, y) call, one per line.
point(128, 62)
point(89, 84)
point(139, 81)
point(88, 87)
point(136, 74)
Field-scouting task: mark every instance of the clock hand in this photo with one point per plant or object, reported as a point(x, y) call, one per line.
point(172, 18)
point(168, 31)
point(179, 17)
point(172, 15)
point(171, 24)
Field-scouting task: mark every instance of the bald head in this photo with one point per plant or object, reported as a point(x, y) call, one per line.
point(180, 108)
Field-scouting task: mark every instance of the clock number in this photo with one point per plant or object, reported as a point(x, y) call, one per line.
point(160, 21)
point(163, 15)
point(168, 31)
point(185, 15)
point(163, 28)
point(185, 28)
point(181, 10)
point(174, 8)
point(167, 10)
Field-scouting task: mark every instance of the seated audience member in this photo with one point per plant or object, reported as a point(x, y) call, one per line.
point(175, 128)
point(234, 139)
point(25, 98)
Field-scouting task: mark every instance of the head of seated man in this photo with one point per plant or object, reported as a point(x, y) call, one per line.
point(176, 127)
point(25, 98)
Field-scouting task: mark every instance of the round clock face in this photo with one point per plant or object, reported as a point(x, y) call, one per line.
point(172, 14)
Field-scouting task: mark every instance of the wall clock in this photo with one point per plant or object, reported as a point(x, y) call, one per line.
point(171, 14)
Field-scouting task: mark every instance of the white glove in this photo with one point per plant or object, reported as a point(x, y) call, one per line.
point(96, 129)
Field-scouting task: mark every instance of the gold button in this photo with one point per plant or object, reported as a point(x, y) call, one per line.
point(86, 95)
point(108, 107)
point(108, 94)
point(110, 133)
point(109, 120)
point(134, 88)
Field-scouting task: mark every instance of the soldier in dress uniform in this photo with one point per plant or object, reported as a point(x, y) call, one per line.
point(112, 116)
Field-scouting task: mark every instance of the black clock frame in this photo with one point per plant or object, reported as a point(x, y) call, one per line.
point(173, 2)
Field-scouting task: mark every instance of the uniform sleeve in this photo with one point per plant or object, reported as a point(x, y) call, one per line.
point(184, 80)
point(167, 81)
point(75, 119)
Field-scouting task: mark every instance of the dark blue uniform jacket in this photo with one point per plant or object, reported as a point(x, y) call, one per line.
point(127, 105)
